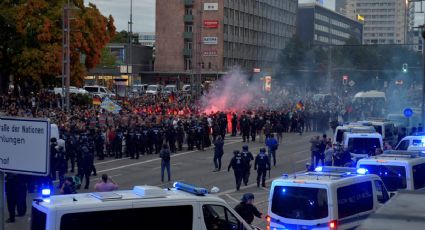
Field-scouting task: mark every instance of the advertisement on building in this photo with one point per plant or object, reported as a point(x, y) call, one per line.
point(210, 6)
point(268, 83)
point(209, 53)
point(210, 40)
point(211, 24)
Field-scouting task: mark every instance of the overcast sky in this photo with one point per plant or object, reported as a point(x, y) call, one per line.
point(144, 12)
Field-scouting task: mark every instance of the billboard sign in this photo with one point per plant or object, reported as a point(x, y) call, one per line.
point(268, 83)
point(25, 145)
point(210, 40)
point(210, 6)
point(211, 24)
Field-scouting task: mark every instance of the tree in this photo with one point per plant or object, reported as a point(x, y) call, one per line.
point(292, 57)
point(107, 58)
point(32, 49)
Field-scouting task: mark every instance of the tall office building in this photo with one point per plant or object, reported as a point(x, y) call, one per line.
point(385, 21)
point(209, 37)
point(317, 25)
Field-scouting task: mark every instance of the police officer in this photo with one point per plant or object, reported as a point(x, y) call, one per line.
point(100, 141)
point(244, 122)
point(147, 139)
point(246, 208)
point(234, 124)
point(118, 144)
point(262, 164)
point(180, 136)
point(87, 158)
point(237, 163)
point(191, 132)
point(199, 137)
point(53, 162)
point(131, 144)
point(140, 147)
point(156, 138)
point(171, 138)
point(248, 157)
point(61, 164)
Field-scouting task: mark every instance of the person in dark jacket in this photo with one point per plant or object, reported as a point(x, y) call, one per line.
point(165, 155)
point(246, 208)
point(248, 157)
point(218, 153)
point(262, 164)
point(238, 165)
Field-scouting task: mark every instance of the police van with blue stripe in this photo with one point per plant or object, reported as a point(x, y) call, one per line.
point(144, 207)
point(398, 169)
point(328, 198)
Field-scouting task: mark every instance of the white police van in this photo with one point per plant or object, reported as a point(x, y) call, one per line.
point(398, 169)
point(361, 143)
point(411, 141)
point(145, 207)
point(350, 127)
point(329, 198)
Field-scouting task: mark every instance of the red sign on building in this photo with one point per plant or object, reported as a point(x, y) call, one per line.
point(210, 53)
point(211, 24)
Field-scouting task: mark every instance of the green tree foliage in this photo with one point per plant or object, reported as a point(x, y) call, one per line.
point(107, 59)
point(31, 44)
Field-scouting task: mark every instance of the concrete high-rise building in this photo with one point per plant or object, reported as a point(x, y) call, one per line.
point(317, 25)
point(209, 37)
point(385, 21)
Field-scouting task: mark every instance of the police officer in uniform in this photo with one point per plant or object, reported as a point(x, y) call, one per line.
point(180, 136)
point(155, 138)
point(100, 141)
point(262, 164)
point(234, 125)
point(246, 208)
point(248, 157)
point(237, 163)
point(147, 139)
point(244, 122)
point(199, 137)
point(171, 138)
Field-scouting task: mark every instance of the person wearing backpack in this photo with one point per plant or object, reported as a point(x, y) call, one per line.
point(165, 156)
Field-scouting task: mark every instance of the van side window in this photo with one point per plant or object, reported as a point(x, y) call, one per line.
point(219, 217)
point(419, 176)
point(403, 145)
point(102, 90)
point(382, 193)
point(354, 199)
point(137, 218)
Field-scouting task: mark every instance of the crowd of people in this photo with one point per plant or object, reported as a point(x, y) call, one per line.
point(155, 125)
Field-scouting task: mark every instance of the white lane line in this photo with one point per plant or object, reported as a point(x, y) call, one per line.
point(157, 159)
point(303, 160)
point(175, 164)
point(232, 198)
point(250, 185)
point(106, 162)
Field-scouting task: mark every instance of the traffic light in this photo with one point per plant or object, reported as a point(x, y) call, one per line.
point(345, 80)
point(404, 68)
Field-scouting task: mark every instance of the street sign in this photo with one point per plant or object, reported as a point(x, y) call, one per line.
point(351, 83)
point(257, 70)
point(24, 145)
point(408, 112)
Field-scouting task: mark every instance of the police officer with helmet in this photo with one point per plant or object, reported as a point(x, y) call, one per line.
point(246, 208)
point(262, 164)
point(237, 163)
point(248, 157)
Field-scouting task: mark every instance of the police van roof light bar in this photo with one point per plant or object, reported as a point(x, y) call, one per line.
point(190, 188)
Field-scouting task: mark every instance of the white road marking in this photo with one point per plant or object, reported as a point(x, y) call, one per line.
point(303, 160)
point(157, 159)
point(232, 198)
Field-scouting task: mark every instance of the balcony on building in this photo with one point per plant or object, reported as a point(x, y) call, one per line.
point(187, 52)
point(188, 35)
point(188, 2)
point(188, 18)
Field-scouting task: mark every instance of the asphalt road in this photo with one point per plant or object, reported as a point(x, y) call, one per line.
point(196, 167)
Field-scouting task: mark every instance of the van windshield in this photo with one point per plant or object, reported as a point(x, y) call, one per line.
point(300, 202)
point(394, 177)
point(339, 135)
point(91, 89)
point(152, 88)
point(361, 145)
